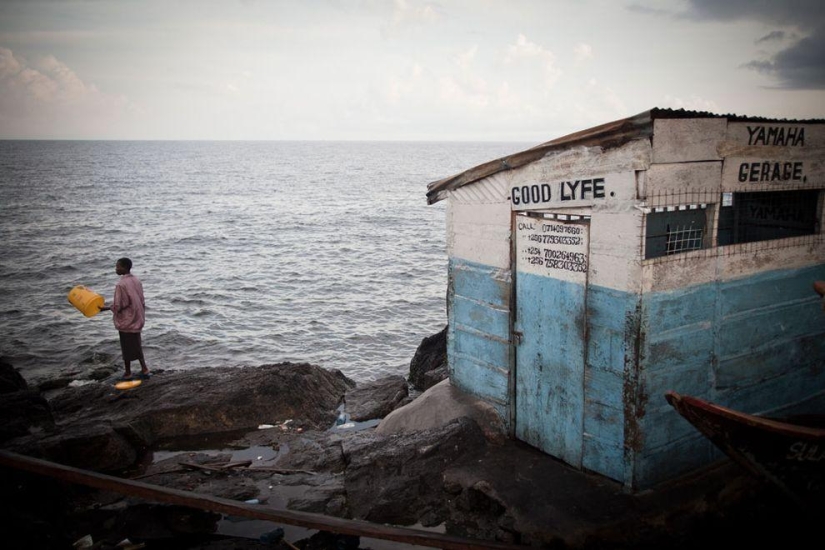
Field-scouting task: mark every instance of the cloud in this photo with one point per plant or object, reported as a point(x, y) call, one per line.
point(806, 14)
point(524, 49)
point(692, 103)
point(404, 14)
point(465, 59)
point(774, 36)
point(48, 99)
point(582, 52)
point(800, 65)
point(595, 103)
point(647, 10)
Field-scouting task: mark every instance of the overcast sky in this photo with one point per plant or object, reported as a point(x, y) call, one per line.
point(476, 70)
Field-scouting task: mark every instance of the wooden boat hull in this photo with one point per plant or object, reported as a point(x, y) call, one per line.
point(788, 454)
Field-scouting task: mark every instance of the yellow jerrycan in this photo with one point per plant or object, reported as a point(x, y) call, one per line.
point(87, 301)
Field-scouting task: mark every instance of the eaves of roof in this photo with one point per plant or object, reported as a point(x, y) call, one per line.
point(606, 136)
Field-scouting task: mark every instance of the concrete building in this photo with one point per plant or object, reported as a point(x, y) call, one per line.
point(671, 250)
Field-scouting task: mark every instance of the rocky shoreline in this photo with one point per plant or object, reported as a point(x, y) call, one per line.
point(295, 436)
point(312, 432)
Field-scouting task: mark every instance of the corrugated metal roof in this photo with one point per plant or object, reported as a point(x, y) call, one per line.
point(612, 134)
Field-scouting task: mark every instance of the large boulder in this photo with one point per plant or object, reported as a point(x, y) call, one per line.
point(428, 366)
point(399, 479)
point(101, 428)
point(24, 412)
point(213, 400)
point(438, 406)
point(376, 399)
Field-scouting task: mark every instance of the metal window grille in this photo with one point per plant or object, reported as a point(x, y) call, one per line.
point(682, 238)
point(675, 229)
point(730, 223)
point(765, 216)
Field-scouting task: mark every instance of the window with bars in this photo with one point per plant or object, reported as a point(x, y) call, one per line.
point(671, 230)
point(763, 216)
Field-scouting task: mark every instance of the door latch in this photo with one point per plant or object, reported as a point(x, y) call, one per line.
point(517, 337)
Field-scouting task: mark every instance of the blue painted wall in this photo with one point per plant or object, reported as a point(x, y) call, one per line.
point(753, 344)
point(612, 318)
point(549, 397)
point(478, 337)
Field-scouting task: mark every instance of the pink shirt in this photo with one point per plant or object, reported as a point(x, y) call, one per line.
point(128, 305)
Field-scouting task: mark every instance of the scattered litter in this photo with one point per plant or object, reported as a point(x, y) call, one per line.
point(265, 426)
point(343, 418)
point(252, 501)
point(78, 383)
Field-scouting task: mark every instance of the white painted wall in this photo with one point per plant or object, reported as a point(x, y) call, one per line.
point(689, 161)
point(795, 150)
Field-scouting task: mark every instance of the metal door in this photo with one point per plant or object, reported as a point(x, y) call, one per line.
point(551, 282)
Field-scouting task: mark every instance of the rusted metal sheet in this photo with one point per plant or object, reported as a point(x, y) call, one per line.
point(612, 134)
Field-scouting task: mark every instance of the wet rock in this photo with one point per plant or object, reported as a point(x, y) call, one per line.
point(376, 399)
point(101, 428)
point(314, 452)
point(213, 400)
point(327, 496)
point(399, 479)
point(24, 412)
point(92, 446)
point(428, 366)
point(439, 405)
point(10, 379)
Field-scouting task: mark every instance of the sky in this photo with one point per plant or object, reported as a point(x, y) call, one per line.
point(407, 70)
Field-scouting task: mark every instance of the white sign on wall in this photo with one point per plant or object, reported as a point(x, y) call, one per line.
point(575, 191)
point(552, 248)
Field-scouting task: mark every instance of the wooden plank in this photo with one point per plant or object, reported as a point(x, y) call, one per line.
point(225, 506)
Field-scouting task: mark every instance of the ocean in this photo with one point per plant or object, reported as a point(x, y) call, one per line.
point(250, 252)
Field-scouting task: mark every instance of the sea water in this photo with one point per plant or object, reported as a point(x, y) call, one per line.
point(249, 252)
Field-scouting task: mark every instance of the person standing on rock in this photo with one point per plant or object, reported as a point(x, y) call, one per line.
point(129, 309)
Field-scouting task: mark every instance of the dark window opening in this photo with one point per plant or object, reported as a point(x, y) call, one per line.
point(675, 230)
point(750, 217)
